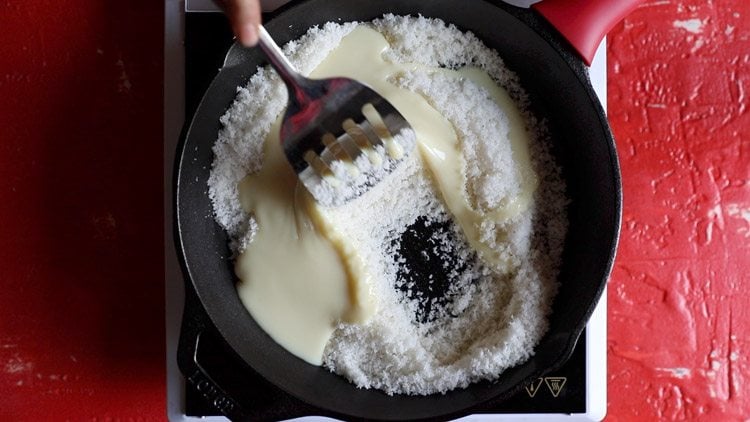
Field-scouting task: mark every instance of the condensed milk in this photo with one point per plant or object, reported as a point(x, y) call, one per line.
point(300, 277)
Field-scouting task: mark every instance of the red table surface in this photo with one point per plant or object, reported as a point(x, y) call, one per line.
point(81, 253)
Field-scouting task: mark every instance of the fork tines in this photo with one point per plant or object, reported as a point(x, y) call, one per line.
point(357, 154)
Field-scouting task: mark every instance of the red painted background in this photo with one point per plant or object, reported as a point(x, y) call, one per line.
point(679, 324)
point(81, 261)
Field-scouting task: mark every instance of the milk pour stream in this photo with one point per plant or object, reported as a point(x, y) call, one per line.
point(299, 276)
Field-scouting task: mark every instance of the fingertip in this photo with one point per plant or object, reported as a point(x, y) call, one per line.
point(248, 34)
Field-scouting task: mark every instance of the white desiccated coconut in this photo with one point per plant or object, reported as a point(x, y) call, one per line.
point(479, 123)
point(488, 321)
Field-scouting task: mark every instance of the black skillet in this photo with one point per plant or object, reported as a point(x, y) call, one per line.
point(557, 81)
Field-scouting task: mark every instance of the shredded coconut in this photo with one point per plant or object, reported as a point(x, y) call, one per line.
point(444, 319)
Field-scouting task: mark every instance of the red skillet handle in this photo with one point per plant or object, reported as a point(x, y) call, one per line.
point(585, 22)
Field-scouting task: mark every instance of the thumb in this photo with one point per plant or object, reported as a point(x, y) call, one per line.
point(244, 16)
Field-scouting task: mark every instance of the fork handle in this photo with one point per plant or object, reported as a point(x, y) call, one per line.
point(293, 80)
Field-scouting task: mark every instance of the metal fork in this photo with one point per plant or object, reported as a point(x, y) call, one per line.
point(340, 136)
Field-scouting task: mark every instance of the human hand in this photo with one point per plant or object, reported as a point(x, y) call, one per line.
point(244, 16)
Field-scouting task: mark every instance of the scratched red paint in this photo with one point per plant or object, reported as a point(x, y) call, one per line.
point(81, 264)
point(678, 320)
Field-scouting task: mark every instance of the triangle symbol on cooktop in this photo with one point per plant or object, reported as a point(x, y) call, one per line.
point(555, 384)
point(534, 387)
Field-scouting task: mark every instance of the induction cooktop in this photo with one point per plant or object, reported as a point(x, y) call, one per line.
point(197, 36)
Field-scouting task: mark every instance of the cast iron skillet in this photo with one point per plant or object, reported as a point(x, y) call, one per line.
point(557, 82)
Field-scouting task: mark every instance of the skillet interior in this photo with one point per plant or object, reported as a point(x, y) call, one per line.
point(558, 86)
